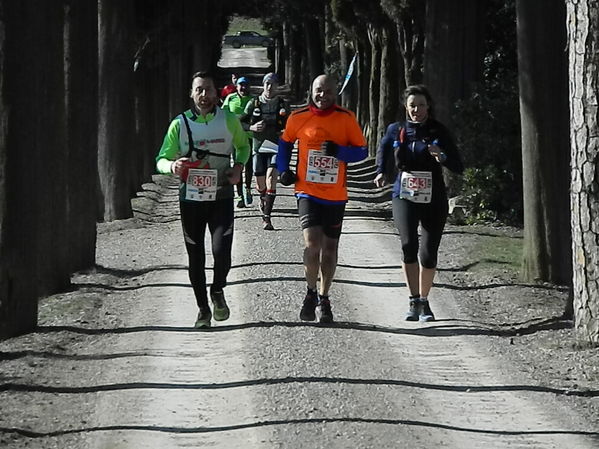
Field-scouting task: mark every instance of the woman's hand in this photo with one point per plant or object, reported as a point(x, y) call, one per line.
point(437, 153)
point(379, 181)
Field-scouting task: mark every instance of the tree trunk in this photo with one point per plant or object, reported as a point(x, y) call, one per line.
point(545, 140)
point(293, 66)
point(116, 118)
point(410, 31)
point(33, 231)
point(388, 101)
point(314, 50)
point(454, 52)
point(81, 101)
point(373, 87)
point(583, 33)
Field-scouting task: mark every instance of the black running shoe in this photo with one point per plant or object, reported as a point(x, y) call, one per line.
point(308, 312)
point(267, 224)
point(426, 314)
point(325, 312)
point(414, 310)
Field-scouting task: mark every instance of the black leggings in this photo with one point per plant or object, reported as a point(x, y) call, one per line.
point(218, 215)
point(432, 217)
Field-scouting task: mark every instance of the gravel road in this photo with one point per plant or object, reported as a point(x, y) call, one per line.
point(116, 362)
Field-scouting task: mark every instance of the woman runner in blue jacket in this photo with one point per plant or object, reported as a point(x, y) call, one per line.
point(420, 147)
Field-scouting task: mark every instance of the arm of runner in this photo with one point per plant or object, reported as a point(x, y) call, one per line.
point(357, 148)
point(284, 155)
point(240, 138)
point(352, 153)
point(169, 151)
point(385, 149)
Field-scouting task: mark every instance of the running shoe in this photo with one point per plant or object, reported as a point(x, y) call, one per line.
point(203, 320)
point(426, 314)
point(308, 312)
point(324, 309)
point(267, 224)
point(241, 203)
point(249, 199)
point(414, 310)
point(221, 310)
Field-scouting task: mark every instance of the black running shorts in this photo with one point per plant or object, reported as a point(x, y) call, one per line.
point(329, 216)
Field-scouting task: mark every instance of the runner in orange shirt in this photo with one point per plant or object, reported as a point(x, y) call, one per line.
point(328, 137)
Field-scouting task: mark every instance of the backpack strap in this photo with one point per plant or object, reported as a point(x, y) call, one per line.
point(201, 153)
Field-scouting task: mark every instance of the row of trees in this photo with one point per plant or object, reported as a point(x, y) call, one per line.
point(88, 88)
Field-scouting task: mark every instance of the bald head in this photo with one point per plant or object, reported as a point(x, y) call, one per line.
point(323, 91)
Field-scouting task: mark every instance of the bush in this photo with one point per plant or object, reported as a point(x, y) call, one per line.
point(487, 128)
point(489, 195)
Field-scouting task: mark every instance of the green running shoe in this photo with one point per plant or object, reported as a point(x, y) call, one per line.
point(221, 310)
point(203, 321)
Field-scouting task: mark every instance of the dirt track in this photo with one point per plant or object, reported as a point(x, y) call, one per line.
point(116, 364)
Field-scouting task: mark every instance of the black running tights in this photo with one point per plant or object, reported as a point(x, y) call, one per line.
point(431, 217)
point(218, 215)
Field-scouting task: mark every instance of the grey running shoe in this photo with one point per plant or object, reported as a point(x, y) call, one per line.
point(203, 320)
point(426, 314)
point(324, 309)
point(414, 310)
point(221, 310)
point(308, 312)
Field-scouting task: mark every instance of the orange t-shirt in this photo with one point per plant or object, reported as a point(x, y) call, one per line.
point(318, 175)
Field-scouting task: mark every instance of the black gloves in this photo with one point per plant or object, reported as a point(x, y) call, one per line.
point(329, 148)
point(287, 178)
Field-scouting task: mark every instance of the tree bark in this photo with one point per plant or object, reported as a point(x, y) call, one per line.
point(116, 118)
point(81, 103)
point(583, 35)
point(33, 229)
point(389, 75)
point(542, 68)
point(314, 49)
point(454, 52)
point(370, 133)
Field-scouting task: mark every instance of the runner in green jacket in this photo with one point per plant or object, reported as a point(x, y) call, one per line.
point(198, 148)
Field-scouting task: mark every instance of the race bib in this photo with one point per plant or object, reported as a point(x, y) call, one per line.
point(416, 186)
point(321, 168)
point(201, 184)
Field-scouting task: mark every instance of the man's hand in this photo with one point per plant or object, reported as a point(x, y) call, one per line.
point(258, 126)
point(287, 178)
point(329, 148)
point(234, 174)
point(178, 166)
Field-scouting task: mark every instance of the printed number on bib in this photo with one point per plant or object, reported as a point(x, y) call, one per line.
point(322, 169)
point(416, 186)
point(201, 185)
